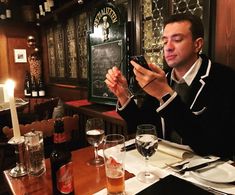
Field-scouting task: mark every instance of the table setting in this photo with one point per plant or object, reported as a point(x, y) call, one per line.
point(113, 164)
point(178, 165)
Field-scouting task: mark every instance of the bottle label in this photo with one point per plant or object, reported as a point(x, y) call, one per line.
point(34, 93)
point(59, 138)
point(26, 93)
point(65, 178)
point(41, 93)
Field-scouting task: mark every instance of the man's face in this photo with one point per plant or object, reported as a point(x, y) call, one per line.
point(179, 47)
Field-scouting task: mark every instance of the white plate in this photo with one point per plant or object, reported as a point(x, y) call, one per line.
point(223, 173)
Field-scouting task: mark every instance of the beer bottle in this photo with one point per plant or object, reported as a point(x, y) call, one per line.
point(61, 164)
point(41, 88)
point(34, 87)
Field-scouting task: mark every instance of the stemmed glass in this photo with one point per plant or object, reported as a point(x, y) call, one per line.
point(146, 143)
point(95, 136)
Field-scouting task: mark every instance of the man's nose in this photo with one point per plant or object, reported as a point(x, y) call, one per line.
point(169, 46)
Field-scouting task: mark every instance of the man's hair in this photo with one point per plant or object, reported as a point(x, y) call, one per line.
point(196, 28)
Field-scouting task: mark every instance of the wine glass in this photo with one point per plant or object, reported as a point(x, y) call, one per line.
point(146, 143)
point(95, 136)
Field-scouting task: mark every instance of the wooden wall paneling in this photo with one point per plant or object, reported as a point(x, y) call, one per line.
point(225, 32)
point(67, 93)
point(3, 57)
point(17, 70)
point(14, 36)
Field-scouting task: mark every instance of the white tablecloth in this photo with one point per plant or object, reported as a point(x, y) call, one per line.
point(134, 163)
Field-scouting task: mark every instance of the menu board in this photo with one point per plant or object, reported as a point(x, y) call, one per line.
point(103, 57)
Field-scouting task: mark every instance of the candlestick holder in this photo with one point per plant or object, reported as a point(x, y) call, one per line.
point(20, 169)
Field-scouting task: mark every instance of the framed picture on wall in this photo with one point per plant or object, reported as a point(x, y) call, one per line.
point(20, 55)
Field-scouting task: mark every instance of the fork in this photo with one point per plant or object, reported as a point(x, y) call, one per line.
point(177, 167)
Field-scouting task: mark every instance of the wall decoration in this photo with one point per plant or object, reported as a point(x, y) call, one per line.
point(20, 55)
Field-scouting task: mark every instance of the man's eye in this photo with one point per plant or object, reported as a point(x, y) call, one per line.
point(178, 39)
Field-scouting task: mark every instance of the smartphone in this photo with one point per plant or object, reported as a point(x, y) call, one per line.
point(141, 61)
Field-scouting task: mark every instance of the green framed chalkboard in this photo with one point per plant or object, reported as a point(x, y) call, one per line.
point(107, 48)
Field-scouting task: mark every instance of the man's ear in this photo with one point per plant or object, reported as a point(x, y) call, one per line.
point(198, 44)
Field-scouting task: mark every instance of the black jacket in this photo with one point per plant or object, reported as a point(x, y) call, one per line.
point(206, 122)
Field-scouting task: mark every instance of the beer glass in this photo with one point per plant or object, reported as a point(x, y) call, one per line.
point(114, 155)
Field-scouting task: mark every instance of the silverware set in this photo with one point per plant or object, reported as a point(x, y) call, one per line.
point(184, 167)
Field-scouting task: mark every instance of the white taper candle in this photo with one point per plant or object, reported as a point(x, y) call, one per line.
point(10, 85)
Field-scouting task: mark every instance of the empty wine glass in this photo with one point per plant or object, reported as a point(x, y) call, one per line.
point(95, 136)
point(146, 143)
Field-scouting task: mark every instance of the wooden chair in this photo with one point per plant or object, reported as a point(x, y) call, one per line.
point(38, 110)
point(71, 127)
point(44, 110)
point(46, 126)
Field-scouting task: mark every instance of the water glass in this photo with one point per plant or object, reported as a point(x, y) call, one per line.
point(146, 141)
point(114, 155)
point(35, 153)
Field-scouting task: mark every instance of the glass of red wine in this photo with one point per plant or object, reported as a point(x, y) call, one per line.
point(146, 141)
point(95, 136)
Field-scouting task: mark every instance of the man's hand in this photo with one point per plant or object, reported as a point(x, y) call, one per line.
point(152, 81)
point(117, 84)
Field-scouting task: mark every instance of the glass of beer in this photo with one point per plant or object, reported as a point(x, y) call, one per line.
point(114, 155)
point(95, 136)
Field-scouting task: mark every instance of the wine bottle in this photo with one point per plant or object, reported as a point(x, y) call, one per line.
point(27, 85)
point(61, 163)
point(41, 8)
point(41, 88)
point(2, 10)
point(8, 9)
point(34, 87)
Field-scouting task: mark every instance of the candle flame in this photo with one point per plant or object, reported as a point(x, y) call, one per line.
point(10, 85)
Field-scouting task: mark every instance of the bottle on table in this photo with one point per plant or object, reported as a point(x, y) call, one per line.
point(61, 163)
point(27, 85)
point(41, 88)
point(34, 87)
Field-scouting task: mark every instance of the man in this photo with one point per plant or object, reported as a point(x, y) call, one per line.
point(194, 103)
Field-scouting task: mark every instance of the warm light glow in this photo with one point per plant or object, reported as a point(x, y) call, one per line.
point(10, 86)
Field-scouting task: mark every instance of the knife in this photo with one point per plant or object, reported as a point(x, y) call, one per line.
point(129, 147)
point(196, 167)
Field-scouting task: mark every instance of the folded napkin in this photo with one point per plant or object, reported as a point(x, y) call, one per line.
point(167, 153)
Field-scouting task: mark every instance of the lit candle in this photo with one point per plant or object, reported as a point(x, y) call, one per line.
point(10, 85)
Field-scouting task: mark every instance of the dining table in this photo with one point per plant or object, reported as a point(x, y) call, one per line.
point(92, 180)
point(87, 179)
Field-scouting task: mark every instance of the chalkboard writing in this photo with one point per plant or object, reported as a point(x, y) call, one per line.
point(103, 57)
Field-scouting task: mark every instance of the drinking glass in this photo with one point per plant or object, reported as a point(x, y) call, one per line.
point(146, 143)
point(114, 155)
point(95, 136)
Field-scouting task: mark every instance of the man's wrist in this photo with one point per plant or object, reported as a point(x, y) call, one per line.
point(166, 96)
